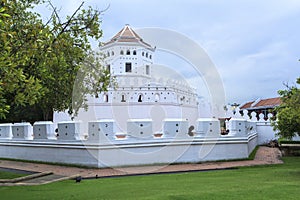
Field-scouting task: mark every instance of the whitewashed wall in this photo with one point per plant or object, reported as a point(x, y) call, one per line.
point(264, 129)
point(107, 150)
point(162, 151)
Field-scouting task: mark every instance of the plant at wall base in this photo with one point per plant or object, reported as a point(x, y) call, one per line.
point(39, 60)
point(288, 113)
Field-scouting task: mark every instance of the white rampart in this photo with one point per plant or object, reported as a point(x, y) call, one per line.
point(257, 124)
point(105, 147)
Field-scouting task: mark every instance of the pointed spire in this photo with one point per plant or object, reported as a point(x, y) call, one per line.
point(127, 35)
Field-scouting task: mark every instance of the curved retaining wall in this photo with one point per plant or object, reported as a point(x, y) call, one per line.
point(130, 152)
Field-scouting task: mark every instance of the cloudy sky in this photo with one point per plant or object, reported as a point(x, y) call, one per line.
point(254, 44)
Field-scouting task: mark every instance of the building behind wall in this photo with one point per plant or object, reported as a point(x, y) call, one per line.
point(264, 106)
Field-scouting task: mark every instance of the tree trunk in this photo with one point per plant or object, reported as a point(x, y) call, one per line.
point(48, 115)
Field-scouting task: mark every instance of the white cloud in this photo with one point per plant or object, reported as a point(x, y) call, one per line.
point(253, 43)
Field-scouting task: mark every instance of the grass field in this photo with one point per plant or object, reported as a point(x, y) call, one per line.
point(10, 175)
point(260, 182)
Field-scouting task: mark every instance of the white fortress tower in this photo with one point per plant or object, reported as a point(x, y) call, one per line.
point(140, 94)
point(150, 117)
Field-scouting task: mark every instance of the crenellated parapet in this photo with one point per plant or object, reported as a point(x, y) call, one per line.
point(107, 131)
point(6, 131)
point(44, 130)
point(22, 131)
point(69, 131)
point(105, 145)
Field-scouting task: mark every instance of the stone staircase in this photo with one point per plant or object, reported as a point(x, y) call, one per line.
point(35, 179)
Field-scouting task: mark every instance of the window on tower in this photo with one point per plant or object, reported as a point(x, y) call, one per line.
point(128, 67)
point(147, 69)
point(143, 53)
point(134, 52)
point(122, 52)
point(128, 52)
point(123, 98)
point(105, 98)
point(146, 55)
point(140, 99)
point(112, 53)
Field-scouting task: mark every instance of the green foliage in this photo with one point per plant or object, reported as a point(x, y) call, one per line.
point(288, 113)
point(92, 78)
point(17, 86)
point(39, 61)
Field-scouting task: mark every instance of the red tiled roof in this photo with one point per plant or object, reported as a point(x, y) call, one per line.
point(263, 103)
point(247, 105)
point(269, 102)
point(127, 35)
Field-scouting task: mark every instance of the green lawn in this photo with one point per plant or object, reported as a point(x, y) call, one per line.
point(261, 182)
point(10, 175)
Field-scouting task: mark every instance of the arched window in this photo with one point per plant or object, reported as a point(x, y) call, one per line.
point(147, 69)
point(134, 52)
point(105, 98)
point(140, 99)
point(112, 53)
point(108, 54)
point(146, 55)
point(150, 56)
point(128, 52)
point(123, 98)
point(143, 53)
point(122, 52)
point(156, 97)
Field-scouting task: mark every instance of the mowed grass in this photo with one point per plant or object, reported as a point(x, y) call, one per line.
point(10, 175)
point(260, 182)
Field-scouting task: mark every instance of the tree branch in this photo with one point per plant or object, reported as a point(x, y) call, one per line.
point(54, 11)
point(67, 23)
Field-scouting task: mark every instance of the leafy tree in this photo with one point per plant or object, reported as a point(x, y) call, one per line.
point(288, 113)
point(39, 61)
point(16, 86)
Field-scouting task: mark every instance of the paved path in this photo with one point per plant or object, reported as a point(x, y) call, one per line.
point(264, 156)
